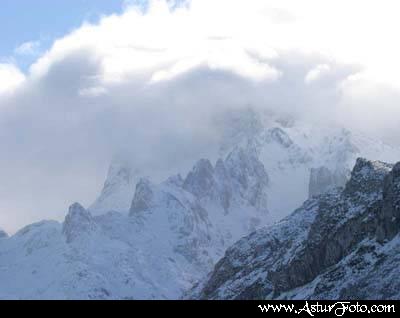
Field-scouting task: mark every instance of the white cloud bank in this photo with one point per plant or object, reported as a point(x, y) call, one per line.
point(10, 78)
point(153, 82)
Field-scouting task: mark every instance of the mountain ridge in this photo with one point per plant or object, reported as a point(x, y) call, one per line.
point(336, 246)
point(145, 239)
point(174, 233)
point(300, 159)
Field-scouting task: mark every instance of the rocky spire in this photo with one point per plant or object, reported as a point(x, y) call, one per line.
point(78, 222)
point(143, 198)
point(248, 175)
point(200, 181)
point(367, 177)
point(118, 189)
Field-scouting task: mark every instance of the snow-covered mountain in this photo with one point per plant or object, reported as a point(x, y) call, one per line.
point(173, 235)
point(3, 233)
point(341, 245)
point(301, 158)
point(153, 240)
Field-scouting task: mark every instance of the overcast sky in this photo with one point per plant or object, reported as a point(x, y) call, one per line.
point(81, 80)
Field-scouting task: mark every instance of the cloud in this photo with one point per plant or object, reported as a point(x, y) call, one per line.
point(152, 81)
point(160, 44)
point(28, 48)
point(10, 78)
point(317, 72)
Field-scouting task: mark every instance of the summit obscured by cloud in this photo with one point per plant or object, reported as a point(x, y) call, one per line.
point(151, 81)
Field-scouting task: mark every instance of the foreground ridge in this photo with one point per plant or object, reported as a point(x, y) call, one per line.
point(340, 245)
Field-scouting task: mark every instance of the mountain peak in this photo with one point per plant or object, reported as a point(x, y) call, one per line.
point(119, 173)
point(77, 222)
point(200, 180)
point(244, 165)
point(76, 209)
point(118, 189)
point(367, 176)
point(143, 197)
point(203, 165)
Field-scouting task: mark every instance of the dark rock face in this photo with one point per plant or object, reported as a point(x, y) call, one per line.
point(311, 253)
point(241, 274)
point(389, 216)
point(367, 178)
point(143, 198)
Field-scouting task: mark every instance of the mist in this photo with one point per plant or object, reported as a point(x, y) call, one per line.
point(154, 91)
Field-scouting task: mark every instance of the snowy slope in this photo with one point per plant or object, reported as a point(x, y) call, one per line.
point(173, 235)
point(340, 245)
